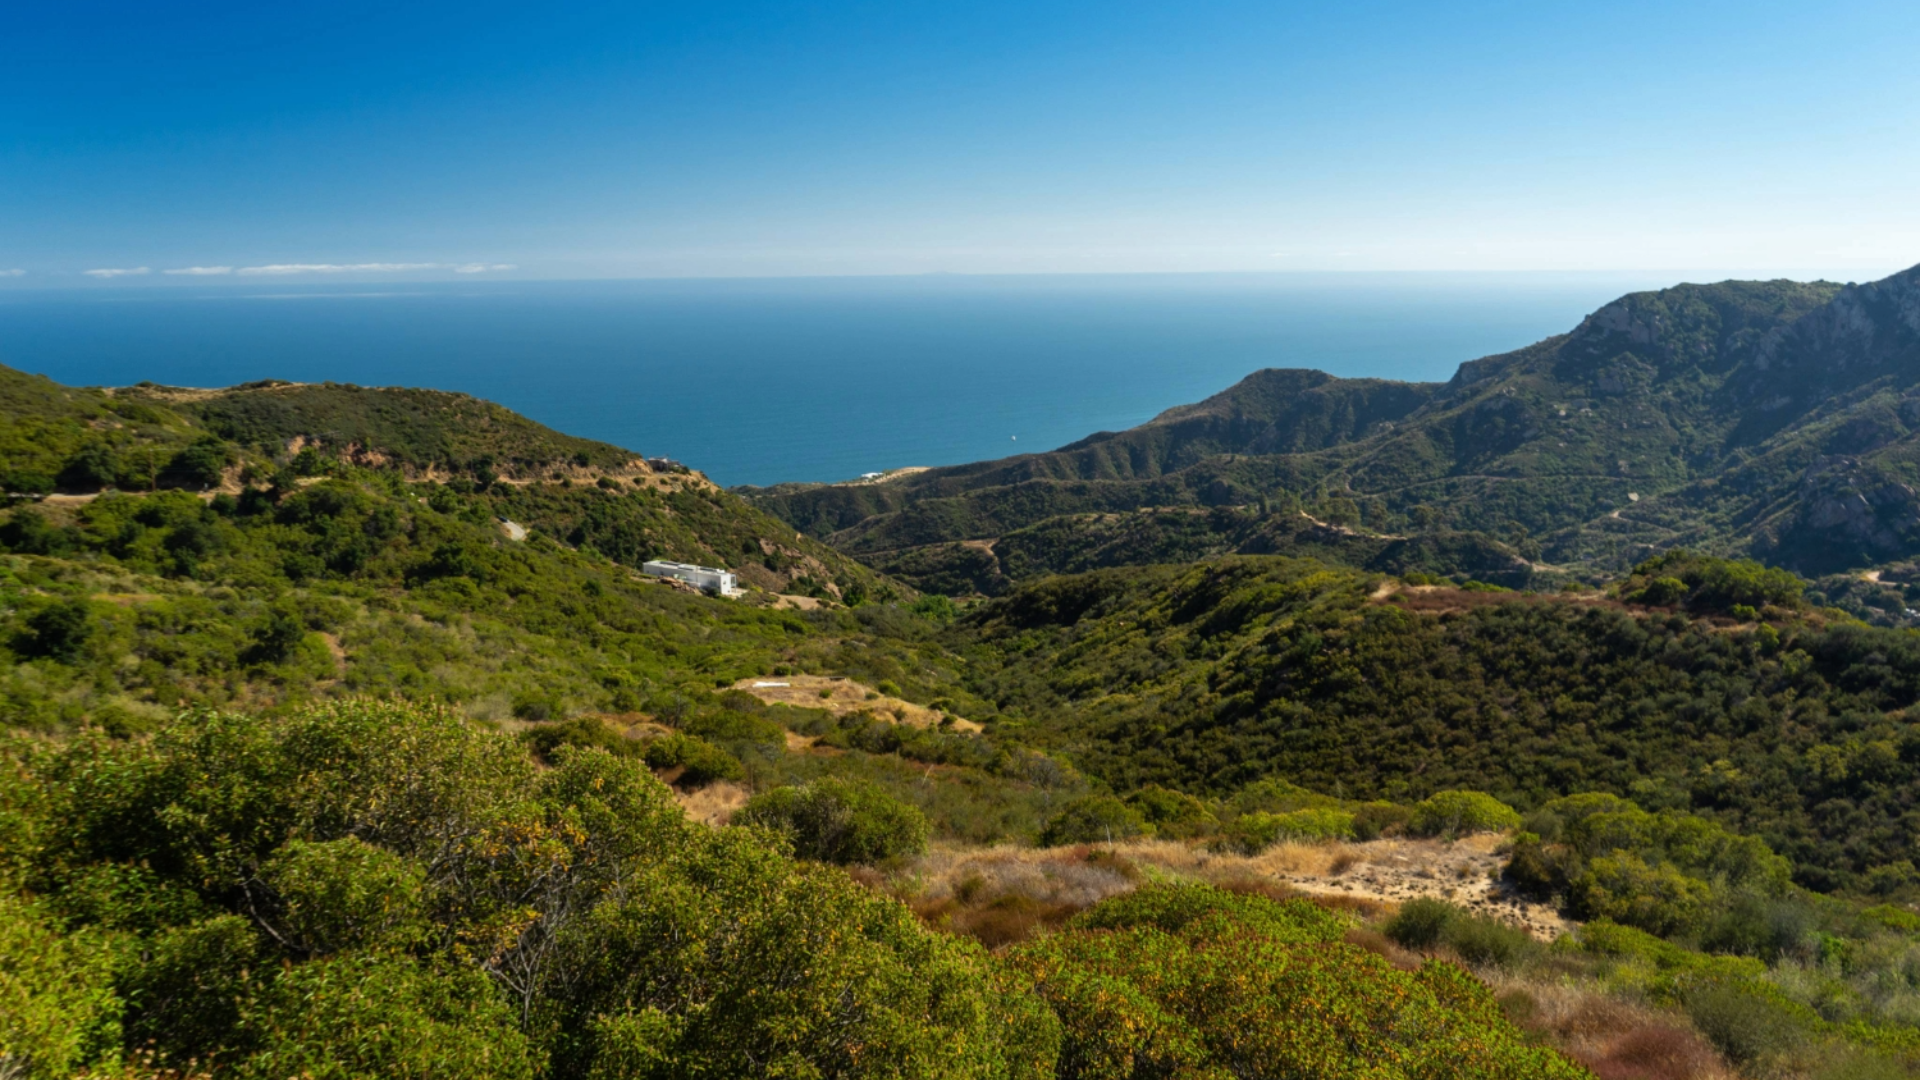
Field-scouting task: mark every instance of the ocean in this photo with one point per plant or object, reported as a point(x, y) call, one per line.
point(758, 382)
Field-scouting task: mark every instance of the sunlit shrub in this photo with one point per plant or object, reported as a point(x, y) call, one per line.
point(1458, 812)
point(840, 821)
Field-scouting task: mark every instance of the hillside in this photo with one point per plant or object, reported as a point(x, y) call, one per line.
point(1210, 677)
point(307, 758)
point(1774, 419)
point(585, 494)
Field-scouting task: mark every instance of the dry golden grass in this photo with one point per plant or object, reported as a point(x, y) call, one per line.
point(1618, 1040)
point(713, 804)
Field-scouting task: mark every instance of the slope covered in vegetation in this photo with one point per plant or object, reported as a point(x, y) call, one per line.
point(1774, 419)
point(1722, 695)
point(376, 890)
point(404, 443)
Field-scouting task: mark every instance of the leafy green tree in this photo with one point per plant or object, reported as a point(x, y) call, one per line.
point(1172, 813)
point(278, 637)
point(60, 630)
point(92, 467)
point(28, 532)
point(201, 464)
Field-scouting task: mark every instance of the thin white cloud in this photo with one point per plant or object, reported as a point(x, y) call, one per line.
point(200, 271)
point(283, 269)
point(481, 268)
point(12, 273)
point(117, 271)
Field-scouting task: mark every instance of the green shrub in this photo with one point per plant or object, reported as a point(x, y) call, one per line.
point(1377, 819)
point(1094, 819)
point(200, 465)
point(382, 1016)
point(701, 763)
point(1193, 982)
point(1171, 813)
point(1458, 812)
point(337, 895)
point(545, 739)
point(728, 725)
point(1420, 923)
point(1670, 873)
point(56, 1001)
point(839, 821)
point(1255, 832)
point(1708, 584)
point(1746, 1019)
point(60, 631)
point(1623, 887)
point(1488, 942)
point(1426, 923)
point(377, 890)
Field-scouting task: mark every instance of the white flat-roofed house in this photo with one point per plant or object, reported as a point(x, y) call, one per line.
point(706, 578)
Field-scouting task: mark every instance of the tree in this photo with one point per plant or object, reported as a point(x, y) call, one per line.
point(60, 631)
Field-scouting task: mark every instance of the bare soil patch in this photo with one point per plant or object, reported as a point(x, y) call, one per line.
point(1370, 878)
point(840, 696)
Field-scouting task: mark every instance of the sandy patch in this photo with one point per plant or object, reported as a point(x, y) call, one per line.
point(840, 696)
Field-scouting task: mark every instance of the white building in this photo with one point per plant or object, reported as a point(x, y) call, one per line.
point(705, 578)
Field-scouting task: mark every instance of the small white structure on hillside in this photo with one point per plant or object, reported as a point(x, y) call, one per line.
point(705, 578)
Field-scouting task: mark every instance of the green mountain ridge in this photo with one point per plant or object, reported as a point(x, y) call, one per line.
point(1767, 418)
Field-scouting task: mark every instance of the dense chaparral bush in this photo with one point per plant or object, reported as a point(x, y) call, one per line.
point(1096, 819)
point(839, 821)
point(370, 889)
point(1194, 982)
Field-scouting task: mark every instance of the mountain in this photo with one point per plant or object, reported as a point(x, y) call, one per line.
point(586, 494)
point(336, 730)
point(1775, 419)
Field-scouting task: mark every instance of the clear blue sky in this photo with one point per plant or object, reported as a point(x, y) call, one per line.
point(638, 139)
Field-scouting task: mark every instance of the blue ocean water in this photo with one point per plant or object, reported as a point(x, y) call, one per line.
point(806, 379)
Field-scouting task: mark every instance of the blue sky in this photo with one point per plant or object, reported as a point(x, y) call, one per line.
point(423, 140)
